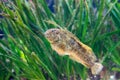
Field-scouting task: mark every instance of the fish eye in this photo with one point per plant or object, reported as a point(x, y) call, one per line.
point(53, 30)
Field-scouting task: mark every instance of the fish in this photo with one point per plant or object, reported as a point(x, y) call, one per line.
point(66, 43)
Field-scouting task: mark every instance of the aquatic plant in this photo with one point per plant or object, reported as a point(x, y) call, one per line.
point(26, 54)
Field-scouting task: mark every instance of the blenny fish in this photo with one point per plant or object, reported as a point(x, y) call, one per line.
point(66, 43)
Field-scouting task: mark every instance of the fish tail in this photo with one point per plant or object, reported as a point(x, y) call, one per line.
point(96, 68)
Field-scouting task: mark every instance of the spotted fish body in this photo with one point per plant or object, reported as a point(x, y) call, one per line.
point(65, 43)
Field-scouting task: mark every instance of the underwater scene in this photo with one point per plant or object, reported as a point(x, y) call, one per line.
point(59, 39)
